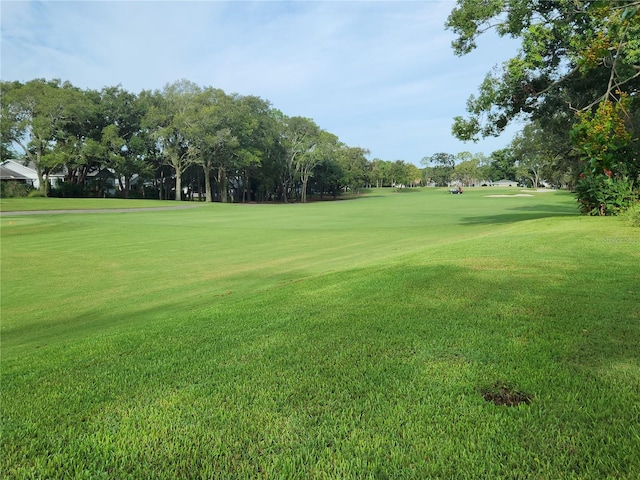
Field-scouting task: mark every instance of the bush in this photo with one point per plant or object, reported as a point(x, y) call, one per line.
point(14, 189)
point(632, 214)
point(68, 190)
point(605, 195)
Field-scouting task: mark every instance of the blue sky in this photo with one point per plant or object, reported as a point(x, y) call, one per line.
point(379, 74)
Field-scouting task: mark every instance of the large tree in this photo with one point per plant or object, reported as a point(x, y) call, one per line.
point(325, 145)
point(355, 167)
point(298, 136)
point(327, 177)
point(256, 139)
point(169, 117)
point(501, 165)
point(210, 136)
point(578, 71)
point(539, 156)
point(38, 116)
point(77, 138)
point(439, 167)
point(380, 172)
point(532, 155)
point(467, 171)
point(574, 55)
point(125, 143)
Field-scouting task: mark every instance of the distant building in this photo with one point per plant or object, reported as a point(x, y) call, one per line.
point(25, 174)
point(8, 175)
point(12, 171)
point(504, 183)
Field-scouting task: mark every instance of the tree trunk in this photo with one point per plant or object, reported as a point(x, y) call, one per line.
point(222, 182)
point(207, 184)
point(303, 197)
point(43, 177)
point(42, 181)
point(45, 186)
point(247, 190)
point(82, 175)
point(178, 185)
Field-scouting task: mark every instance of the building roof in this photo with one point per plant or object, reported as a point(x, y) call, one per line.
point(20, 168)
point(8, 174)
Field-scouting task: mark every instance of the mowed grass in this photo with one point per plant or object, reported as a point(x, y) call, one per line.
point(40, 203)
point(349, 339)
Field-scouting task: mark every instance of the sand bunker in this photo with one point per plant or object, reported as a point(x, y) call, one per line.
point(514, 195)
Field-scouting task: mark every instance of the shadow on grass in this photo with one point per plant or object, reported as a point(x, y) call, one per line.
point(406, 190)
point(529, 212)
point(372, 350)
point(327, 198)
point(358, 196)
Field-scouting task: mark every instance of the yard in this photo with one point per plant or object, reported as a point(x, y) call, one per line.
point(420, 335)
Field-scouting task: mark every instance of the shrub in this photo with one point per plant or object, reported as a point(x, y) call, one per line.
point(68, 190)
point(14, 189)
point(604, 194)
point(632, 214)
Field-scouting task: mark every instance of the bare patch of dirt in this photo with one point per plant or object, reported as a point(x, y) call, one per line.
point(503, 394)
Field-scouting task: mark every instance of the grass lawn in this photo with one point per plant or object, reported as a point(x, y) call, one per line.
point(350, 339)
point(40, 203)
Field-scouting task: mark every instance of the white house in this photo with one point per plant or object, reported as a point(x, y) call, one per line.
point(29, 173)
point(504, 183)
point(24, 173)
point(6, 174)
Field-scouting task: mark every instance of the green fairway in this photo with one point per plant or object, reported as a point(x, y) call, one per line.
point(40, 203)
point(347, 339)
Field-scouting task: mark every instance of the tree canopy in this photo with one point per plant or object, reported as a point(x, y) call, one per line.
point(577, 73)
point(177, 142)
point(574, 54)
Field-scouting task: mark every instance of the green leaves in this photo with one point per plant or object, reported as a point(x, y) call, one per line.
point(599, 135)
point(466, 129)
point(601, 195)
point(576, 57)
point(469, 19)
point(558, 40)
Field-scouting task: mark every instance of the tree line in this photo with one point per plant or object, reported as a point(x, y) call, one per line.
point(575, 84)
point(201, 141)
point(513, 163)
point(183, 138)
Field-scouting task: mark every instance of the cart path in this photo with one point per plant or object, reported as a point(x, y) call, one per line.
point(102, 210)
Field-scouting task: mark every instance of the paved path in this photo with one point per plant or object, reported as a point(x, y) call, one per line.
point(103, 210)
